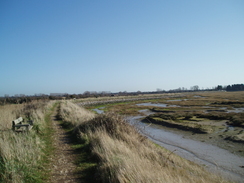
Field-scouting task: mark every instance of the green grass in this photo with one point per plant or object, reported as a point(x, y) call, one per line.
point(86, 164)
point(46, 136)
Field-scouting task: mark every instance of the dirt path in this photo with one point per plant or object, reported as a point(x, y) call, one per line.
point(63, 161)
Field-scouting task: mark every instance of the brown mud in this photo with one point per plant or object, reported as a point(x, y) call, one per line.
point(221, 137)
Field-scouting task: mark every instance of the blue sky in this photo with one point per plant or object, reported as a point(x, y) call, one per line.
point(62, 46)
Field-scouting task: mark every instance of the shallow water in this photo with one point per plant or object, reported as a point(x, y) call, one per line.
point(215, 158)
point(236, 110)
point(198, 96)
point(156, 105)
point(146, 112)
point(177, 100)
point(224, 109)
point(99, 110)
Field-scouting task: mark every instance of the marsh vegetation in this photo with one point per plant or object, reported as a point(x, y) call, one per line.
point(220, 114)
point(113, 150)
point(213, 118)
point(122, 154)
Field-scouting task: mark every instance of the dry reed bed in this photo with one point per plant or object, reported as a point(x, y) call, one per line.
point(110, 100)
point(124, 155)
point(21, 153)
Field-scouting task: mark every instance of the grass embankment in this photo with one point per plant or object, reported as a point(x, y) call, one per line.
point(23, 155)
point(122, 154)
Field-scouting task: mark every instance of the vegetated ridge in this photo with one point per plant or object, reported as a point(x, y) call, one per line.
point(122, 154)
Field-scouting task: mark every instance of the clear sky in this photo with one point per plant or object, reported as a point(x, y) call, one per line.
point(60, 46)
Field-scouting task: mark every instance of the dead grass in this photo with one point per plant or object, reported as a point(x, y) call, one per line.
point(140, 161)
point(73, 114)
point(21, 153)
point(8, 113)
point(124, 155)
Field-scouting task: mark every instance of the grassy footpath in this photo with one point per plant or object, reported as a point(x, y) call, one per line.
point(46, 136)
point(25, 157)
point(86, 164)
point(120, 153)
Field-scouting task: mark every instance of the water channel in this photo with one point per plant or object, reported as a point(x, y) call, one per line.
point(215, 159)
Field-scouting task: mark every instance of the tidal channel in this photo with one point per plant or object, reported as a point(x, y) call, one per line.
point(213, 158)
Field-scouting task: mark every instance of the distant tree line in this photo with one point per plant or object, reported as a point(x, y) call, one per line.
point(234, 87)
point(21, 98)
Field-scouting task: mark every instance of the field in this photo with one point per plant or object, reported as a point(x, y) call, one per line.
point(108, 148)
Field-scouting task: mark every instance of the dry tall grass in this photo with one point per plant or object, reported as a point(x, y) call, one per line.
point(126, 156)
point(72, 113)
point(8, 113)
point(20, 153)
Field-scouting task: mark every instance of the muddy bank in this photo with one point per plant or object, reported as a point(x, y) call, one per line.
point(194, 148)
point(222, 135)
point(195, 128)
point(221, 140)
point(213, 125)
point(216, 154)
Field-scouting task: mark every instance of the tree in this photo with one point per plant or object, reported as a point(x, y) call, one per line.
point(138, 92)
point(219, 87)
point(86, 93)
point(195, 88)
